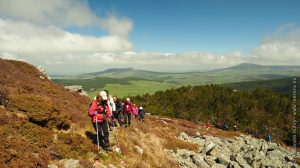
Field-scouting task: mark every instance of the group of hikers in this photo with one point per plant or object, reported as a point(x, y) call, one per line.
point(105, 110)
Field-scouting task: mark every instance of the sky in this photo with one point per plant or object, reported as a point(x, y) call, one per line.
point(79, 36)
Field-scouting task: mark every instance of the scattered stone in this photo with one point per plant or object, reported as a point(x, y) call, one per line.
point(239, 152)
point(208, 148)
point(233, 164)
point(289, 158)
point(111, 166)
point(52, 166)
point(70, 163)
point(224, 160)
point(210, 160)
point(241, 161)
point(214, 152)
point(77, 88)
point(217, 165)
point(183, 136)
point(139, 149)
point(198, 160)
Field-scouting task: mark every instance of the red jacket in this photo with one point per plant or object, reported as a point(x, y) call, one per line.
point(127, 107)
point(97, 112)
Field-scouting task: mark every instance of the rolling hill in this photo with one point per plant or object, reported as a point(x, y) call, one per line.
point(130, 78)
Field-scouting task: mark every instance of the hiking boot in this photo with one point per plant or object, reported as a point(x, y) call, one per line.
point(108, 149)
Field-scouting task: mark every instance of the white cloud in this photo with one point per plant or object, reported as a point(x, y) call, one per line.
point(117, 26)
point(281, 48)
point(25, 38)
point(63, 13)
point(53, 12)
point(35, 33)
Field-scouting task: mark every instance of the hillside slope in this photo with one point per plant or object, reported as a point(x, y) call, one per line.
point(42, 123)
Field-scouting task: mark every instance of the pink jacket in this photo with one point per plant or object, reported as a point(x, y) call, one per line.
point(97, 112)
point(135, 111)
point(127, 107)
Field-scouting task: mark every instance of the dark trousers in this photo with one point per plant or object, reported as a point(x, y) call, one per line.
point(127, 118)
point(103, 133)
point(142, 116)
point(117, 116)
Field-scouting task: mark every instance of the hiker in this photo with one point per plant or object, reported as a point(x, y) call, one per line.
point(117, 113)
point(135, 111)
point(269, 137)
point(226, 127)
point(207, 125)
point(127, 110)
point(235, 128)
point(112, 107)
point(99, 111)
point(141, 114)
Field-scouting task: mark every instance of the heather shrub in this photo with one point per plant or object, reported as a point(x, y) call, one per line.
point(73, 146)
point(39, 110)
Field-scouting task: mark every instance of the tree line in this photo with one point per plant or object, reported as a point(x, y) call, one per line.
point(258, 112)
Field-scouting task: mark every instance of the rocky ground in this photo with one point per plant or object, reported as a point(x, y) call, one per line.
point(243, 151)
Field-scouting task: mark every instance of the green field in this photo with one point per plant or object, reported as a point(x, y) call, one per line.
point(135, 87)
point(130, 82)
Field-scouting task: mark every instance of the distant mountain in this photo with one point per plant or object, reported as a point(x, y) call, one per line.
point(270, 69)
point(239, 73)
point(267, 71)
point(125, 73)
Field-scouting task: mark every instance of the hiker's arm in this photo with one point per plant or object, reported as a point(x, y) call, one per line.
point(93, 109)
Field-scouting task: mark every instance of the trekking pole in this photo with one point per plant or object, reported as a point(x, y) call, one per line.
point(97, 134)
point(118, 149)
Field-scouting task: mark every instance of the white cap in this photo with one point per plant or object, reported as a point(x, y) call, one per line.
point(141, 108)
point(127, 99)
point(103, 94)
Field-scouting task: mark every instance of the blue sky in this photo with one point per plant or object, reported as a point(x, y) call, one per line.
point(200, 25)
point(158, 35)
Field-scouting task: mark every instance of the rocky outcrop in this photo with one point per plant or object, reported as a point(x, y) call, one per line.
point(243, 151)
point(77, 88)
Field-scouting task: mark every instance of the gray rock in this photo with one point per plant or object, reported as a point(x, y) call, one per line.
point(272, 146)
point(70, 163)
point(198, 141)
point(111, 166)
point(290, 165)
point(210, 160)
point(208, 148)
point(248, 157)
point(198, 135)
point(256, 164)
point(217, 165)
point(288, 158)
point(183, 136)
point(264, 147)
point(214, 152)
point(233, 164)
point(271, 163)
point(139, 149)
point(275, 154)
point(258, 155)
point(52, 166)
point(241, 161)
point(224, 160)
point(185, 154)
point(198, 160)
point(186, 163)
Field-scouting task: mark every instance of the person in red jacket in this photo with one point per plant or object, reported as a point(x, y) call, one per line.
point(99, 111)
point(127, 110)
